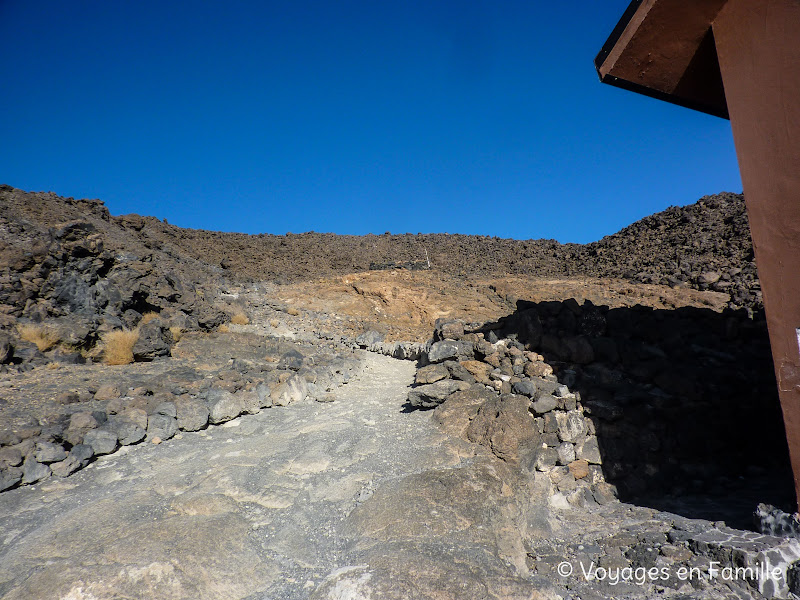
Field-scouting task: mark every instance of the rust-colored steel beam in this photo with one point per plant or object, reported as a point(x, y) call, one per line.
point(758, 44)
point(738, 59)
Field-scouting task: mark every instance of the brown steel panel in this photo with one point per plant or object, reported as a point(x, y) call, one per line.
point(758, 45)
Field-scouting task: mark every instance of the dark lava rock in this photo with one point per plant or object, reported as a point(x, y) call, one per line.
point(102, 441)
point(33, 471)
point(450, 349)
point(433, 394)
point(6, 348)
point(9, 477)
point(292, 360)
point(161, 426)
point(154, 340)
point(369, 338)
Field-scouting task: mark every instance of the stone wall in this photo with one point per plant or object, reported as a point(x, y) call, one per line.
point(681, 399)
point(662, 404)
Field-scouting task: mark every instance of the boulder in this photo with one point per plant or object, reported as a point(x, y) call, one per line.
point(504, 426)
point(192, 414)
point(6, 349)
point(82, 452)
point(579, 469)
point(223, 406)
point(544, 404)
point(251, 401)
point(458, 372)
point(479, 369)
point(264, 395)
point(10, 457)
point(589, 450)
point(8, 437)
point(167, 409)
point(128, 433)
point(603, 493)
point(571, 426)
point(537, 369)
point(546, 458)
point(83, 420)
point(450, 349)
point(566, 453)
point(431, 374)
point(48, 452)
point(137, 416)
point(102, 441)
point(161, 426)
point(65, 467)
point(33, 471)
point(448, 330)
point(154, 340)
point(524, 387)
point(433, 394)
point(459, 409)
point(9, 477)
point(294, 389)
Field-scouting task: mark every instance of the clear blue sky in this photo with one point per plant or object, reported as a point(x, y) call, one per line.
point(345, 116)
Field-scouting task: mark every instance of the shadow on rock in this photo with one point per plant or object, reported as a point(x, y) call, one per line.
point(684, 401)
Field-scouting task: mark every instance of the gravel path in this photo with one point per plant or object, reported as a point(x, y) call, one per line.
point(251, 509)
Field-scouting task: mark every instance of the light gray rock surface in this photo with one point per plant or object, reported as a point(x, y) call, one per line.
point(293, 502)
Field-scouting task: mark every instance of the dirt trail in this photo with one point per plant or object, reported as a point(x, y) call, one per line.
point(250, 509)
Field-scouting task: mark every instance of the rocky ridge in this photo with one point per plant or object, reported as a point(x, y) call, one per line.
point(705, 245)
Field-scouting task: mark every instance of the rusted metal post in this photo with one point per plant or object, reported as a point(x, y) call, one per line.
point(758, 47)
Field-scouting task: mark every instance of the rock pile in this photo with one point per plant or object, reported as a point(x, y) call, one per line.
point(657, 554)
point(670, 402)
point(506, 398)
point(99, 420)
point(622, 429)
point(680, 399)
point(705, 245)
point(71, 273)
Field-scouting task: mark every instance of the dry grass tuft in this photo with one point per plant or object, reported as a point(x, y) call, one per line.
point(118, 346)
point(293, 311)
point(147, 317)
point(177, 333)
point(223, 328)
point(44, 337)
point(240, 318)
point(274, 323)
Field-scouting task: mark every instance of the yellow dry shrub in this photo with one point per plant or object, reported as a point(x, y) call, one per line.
point(44, 337)
point(177, 333)
point(293, 311)
point(274, 323)
point(223, 328)
point(147, 317)
point(118, 346)
point(240, 318)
